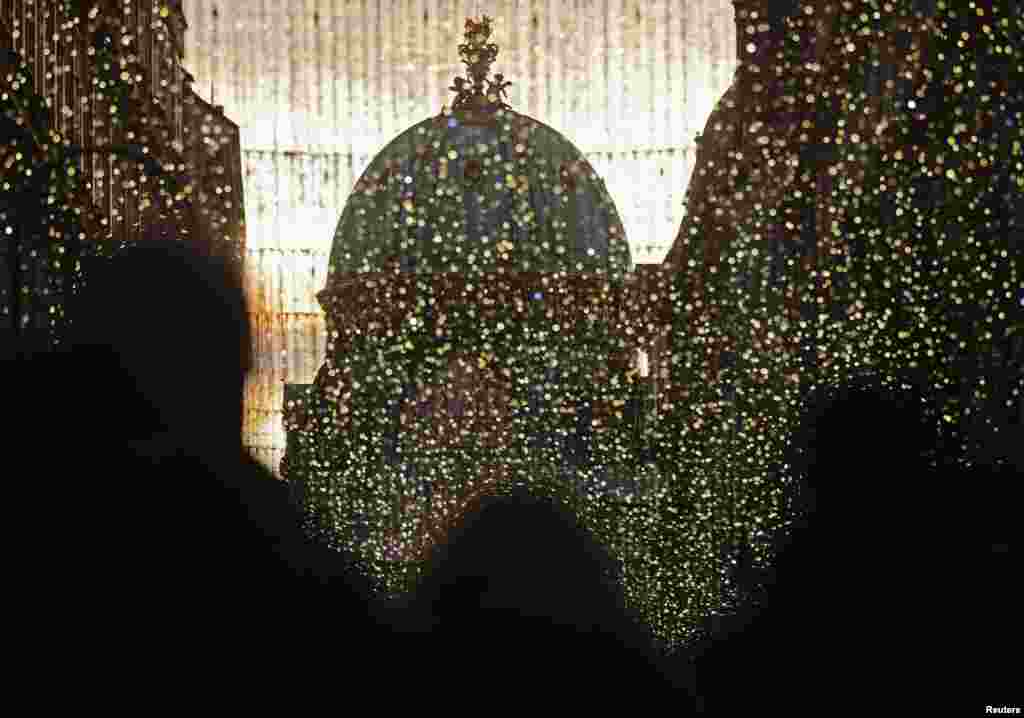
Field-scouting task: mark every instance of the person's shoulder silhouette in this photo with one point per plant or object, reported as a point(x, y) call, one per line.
point(520, 588)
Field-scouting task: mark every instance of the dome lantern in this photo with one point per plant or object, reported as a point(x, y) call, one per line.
point(478, 107)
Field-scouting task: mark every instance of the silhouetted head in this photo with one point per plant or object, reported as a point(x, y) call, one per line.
point(175, 323)
point(861, 453)
point(520, 575)
point(526, 554)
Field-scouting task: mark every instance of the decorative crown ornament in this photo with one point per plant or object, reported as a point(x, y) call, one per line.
point(472, 101)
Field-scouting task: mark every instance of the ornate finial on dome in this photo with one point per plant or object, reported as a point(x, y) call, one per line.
point(478, 54)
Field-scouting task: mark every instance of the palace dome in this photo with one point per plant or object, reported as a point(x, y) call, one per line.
point(478, 188)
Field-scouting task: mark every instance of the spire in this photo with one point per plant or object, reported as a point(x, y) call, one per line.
point(478, 54)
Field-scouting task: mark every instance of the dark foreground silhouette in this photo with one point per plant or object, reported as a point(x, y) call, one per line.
point(521, 590)
point(157, 542)
point(890, 592)
point(155, 539)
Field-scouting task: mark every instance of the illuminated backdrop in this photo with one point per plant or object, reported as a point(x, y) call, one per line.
point(318, 88)
point(884, 232)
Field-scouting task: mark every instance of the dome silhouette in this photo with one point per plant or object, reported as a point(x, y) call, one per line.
point(476, 189)
point(456, 194)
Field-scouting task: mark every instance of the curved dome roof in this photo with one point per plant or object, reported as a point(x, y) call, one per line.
point(448, 195)
point(476, 188)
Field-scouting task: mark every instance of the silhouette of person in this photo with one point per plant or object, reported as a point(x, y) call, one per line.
point(171, 538)
point(520, 589)
point(878, 572)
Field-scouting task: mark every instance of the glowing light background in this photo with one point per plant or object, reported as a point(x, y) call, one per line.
point(318, 87)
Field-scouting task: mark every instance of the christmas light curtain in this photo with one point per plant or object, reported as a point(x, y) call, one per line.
point(104, 144)
point(318, 87)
